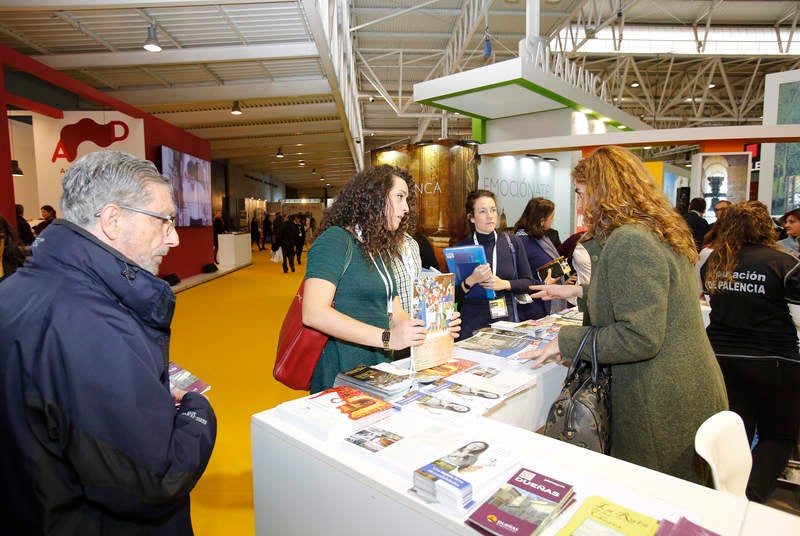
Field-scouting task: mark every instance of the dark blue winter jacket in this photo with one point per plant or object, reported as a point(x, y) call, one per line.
point(90, 439)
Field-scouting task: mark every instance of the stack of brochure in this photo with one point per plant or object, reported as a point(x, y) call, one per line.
point(375, 381)
point(525, 505)
point(465, 475)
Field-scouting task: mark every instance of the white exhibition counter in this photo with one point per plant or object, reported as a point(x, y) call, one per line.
point(303, 486)
point(234, 250)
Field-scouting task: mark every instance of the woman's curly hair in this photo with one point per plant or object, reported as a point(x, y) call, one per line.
point(363, 203)
point(536, 210)
point(745, 223)
point(619, 191)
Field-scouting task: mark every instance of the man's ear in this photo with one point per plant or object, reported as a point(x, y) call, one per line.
point(109, 222)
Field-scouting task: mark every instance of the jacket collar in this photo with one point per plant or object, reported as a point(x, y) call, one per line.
point(67, 248)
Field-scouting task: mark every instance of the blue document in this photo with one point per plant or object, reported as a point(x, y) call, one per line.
point(462, 260)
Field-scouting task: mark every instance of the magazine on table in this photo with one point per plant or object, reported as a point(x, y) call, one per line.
point(598, 515)
point(525, 505)
point(335, 412)
point(465, 476)
point(463, 394)
point(448, 368)
point(538, 329)
point(487, 378)
point(405, 441)
point(498, 343)
point(462, 261)
point(434, 304)
point(440, 407)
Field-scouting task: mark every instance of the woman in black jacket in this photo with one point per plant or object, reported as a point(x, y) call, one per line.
point(753, 286)
point(506, 272)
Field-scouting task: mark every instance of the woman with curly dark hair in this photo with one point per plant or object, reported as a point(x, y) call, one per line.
point(349, 289)
point(753, 286)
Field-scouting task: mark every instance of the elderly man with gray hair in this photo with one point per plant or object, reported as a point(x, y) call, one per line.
point(94, 440)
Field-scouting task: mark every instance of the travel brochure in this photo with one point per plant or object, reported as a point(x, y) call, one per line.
point(434, 304)
point(180, 378)
point(526, 504)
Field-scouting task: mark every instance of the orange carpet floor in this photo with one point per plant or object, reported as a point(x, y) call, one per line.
point(226, 331)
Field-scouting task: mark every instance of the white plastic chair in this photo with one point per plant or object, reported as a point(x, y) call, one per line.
point(722, 442)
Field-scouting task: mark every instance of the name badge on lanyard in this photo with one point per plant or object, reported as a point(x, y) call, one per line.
point(497, 308)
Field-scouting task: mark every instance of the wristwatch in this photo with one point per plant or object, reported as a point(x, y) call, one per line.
point(385, 338)
point(466, 285)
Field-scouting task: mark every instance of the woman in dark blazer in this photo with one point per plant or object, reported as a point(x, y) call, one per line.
point(532, 229)
point(506, 272)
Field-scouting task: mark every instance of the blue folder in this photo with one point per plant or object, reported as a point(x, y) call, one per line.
point(462, 260)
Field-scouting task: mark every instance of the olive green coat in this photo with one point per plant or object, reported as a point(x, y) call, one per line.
point(665, 379)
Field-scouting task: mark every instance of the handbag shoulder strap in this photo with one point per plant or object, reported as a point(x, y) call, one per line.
point(514, 260)
point(573, 367)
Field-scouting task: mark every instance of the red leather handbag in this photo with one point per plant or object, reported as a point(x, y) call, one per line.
point(299, 347)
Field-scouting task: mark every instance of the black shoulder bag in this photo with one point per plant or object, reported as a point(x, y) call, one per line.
point(581, 414)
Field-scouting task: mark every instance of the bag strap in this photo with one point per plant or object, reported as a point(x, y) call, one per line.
point(573, 367)
point(348, 255)
point(514, 259)
point(595, 364)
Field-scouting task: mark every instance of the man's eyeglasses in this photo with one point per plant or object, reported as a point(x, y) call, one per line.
point(165, 218)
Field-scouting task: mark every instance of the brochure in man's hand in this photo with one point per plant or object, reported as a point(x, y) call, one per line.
point(180, 378)
point(462, 260)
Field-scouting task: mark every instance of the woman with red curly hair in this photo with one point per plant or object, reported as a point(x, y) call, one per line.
point(350, 292)
point(643, 299)
point(753, 286)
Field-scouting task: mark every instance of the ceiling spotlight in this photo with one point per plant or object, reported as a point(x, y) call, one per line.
point(151, 43)
point(635, 84)
point(235, 109)
point(279, 154)
point(550, 159)
point(712, 85)
point(534, 156)
point(15, 169)
point(301, 163)
point(314, 171)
